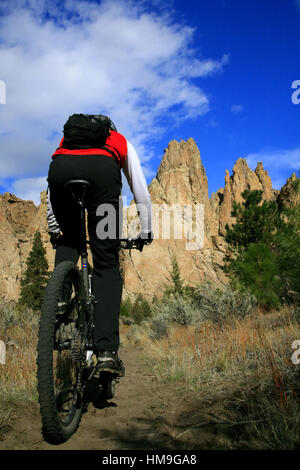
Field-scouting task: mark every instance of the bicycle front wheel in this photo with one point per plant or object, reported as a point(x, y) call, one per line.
point(60, 354)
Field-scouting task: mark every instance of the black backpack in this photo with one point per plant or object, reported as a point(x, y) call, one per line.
point(86, 131)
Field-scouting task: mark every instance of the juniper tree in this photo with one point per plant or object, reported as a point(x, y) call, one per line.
point(177, 283)
point(256, 221)
point(253, 259)
point(265, 248)
point(35, 276)
point(257, 270)
point(288, 242)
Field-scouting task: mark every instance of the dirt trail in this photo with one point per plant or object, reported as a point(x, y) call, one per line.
point(144, 414)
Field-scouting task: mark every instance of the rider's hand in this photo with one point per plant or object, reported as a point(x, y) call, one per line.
point(144, 238)
point(55, 238)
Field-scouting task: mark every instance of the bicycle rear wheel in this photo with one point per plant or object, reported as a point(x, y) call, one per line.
point(60, 354)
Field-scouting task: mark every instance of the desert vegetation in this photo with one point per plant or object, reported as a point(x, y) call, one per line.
point(237, 371)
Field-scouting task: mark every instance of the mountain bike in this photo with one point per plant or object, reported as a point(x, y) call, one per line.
point(65, 351)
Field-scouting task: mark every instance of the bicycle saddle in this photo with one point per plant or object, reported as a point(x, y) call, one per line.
point(79, 189)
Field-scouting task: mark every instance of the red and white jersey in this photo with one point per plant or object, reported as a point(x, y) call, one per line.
point(124, 153)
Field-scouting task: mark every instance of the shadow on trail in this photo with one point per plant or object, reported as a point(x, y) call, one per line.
point(94, 397)
point(158, 434)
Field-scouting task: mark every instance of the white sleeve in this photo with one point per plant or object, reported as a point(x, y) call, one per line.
point(137, 183)
point(52, 222)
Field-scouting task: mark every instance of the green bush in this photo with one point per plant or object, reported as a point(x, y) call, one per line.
point(200, 303)
point(172, 309)
point(141, 309)
point(138, 311)
point(126, 308)
point(159, 327)
point(257, 270)
point(219, 305)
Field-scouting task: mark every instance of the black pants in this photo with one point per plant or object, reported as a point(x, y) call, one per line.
point(104, 175)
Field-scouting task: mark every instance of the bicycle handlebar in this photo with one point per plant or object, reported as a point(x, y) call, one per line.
point(129, 244)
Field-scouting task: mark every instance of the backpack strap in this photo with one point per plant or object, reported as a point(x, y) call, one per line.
point(116, 155)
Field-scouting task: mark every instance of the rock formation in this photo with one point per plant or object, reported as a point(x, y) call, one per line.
point(241, 179)
point(289, 196)
point(180, 182)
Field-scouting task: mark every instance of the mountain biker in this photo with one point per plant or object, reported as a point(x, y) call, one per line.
point(101, 167)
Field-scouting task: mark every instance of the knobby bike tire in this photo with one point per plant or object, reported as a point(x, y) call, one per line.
point(53, 429)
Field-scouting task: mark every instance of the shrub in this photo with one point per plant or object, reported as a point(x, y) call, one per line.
point(201, 303)
point(18, 330)
point(138, 310)
point(126, 308)
point(159, 328)
point(12, 315)
point(219, 305)
point(172, 309)
point(257, 269)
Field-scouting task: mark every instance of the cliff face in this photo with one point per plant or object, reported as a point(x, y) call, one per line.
point(18, 222)
point(180, 181)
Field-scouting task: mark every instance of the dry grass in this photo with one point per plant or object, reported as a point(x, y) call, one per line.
point(18, 329)
point(242, 371)
point(238, 346)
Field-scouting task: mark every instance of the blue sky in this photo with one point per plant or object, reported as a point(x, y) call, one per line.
point(218, 71)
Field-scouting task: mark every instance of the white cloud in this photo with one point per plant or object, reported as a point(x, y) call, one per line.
point(29, 189)
point(118, 58)
point(212, 123)
point(237, 108)
point(279, 163)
